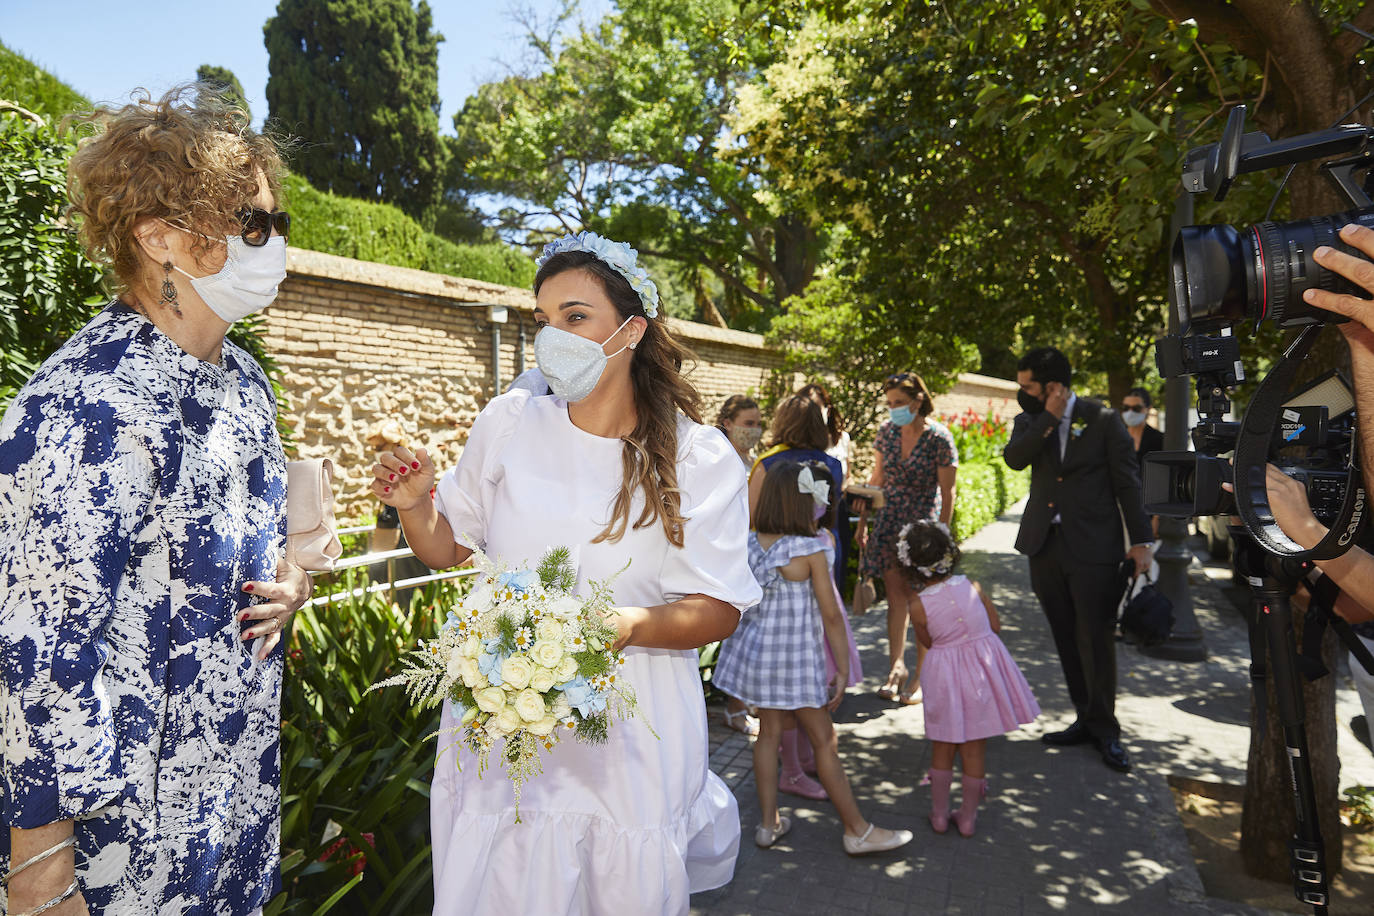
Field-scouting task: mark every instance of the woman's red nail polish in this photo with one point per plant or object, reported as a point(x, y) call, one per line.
point(386, 489)
point(248, 587)
point(392, 477)
point(415, 465)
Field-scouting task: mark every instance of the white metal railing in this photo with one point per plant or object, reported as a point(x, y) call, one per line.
point(392, 584)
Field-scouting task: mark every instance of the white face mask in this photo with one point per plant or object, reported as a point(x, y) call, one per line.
point(247, 282)
point(572, 364)
point(1133, 417)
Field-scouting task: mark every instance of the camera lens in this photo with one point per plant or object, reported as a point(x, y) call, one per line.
point(1222, 275)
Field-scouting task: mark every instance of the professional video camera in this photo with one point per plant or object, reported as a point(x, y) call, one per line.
point(1222, 276)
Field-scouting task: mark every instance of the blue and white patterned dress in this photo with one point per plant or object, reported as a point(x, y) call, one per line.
point(776, 657)
point(140, 488)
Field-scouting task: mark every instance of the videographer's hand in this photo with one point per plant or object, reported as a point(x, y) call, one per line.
point(1056, 398)
point(1359, 331)
point(1288, 502)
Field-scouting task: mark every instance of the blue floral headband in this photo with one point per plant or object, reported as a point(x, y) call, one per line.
point(619, 256)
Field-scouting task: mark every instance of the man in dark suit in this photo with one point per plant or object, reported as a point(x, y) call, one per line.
point(1084, 481)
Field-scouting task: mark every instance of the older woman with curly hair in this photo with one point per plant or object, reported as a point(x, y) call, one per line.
point(142, 520)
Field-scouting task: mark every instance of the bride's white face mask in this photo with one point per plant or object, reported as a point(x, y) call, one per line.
point(572, 364)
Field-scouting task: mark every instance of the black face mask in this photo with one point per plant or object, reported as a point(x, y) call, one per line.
point(1029, 402)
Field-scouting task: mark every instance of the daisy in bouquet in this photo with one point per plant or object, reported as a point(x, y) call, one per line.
point(525, 660)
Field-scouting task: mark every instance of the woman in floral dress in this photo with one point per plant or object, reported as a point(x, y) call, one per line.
point(915, 464)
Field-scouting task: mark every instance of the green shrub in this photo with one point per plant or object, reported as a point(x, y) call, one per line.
point(48, 287)
point(379, 232)
point(356, 766)
point(985, 490)
point(36, 89)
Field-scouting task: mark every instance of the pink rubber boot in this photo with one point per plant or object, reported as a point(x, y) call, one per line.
point(967, 815)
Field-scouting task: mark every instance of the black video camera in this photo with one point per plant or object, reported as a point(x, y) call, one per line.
point(1221, 276)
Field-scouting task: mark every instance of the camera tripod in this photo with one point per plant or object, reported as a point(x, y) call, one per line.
point(1273, 581)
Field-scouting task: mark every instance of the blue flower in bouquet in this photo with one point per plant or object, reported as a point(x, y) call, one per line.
point(521, 581)
point(491, 660)
point(583, 697)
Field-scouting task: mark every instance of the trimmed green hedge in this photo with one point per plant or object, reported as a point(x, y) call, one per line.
point(24, 82)
point(379, 232)
point(985, 490)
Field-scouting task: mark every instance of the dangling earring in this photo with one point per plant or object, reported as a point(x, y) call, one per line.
point(169, 290)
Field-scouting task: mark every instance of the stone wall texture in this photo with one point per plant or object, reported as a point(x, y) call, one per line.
point(364, 346)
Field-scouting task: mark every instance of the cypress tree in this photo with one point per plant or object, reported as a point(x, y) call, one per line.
point(358, 82)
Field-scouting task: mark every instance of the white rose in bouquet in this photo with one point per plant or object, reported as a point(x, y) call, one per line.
point(544, 726)
point(517, 671)
point(548, 630)
point(480, 598)
point(547, 654)
point(490, 699)
point(508, 720)
point(455, 667)
point(567, 669)
point(472, 647)
point(469, 673)
point(530, 705)
point(543, 680)
point(565, 607)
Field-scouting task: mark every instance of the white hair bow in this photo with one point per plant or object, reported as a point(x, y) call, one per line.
point(819, 489)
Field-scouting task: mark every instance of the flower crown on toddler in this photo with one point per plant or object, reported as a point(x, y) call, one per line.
point(940, 567)
point(618, 256)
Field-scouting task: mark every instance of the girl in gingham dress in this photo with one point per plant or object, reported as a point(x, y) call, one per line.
point(776, 660)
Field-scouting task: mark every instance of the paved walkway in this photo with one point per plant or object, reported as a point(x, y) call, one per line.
point(1059, 831)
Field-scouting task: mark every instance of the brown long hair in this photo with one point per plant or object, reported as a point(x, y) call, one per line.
point(798, 423)
point(834, 422)
point(649, 455)
point(782, 508)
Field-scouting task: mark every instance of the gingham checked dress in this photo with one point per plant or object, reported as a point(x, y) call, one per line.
point(776, 658)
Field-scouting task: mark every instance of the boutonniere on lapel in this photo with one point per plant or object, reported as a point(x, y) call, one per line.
point(1077, 425)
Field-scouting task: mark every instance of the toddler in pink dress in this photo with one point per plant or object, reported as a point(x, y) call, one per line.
point(973, 690)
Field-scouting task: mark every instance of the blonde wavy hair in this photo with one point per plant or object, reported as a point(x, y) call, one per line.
point(189, 158)
point(649, 455)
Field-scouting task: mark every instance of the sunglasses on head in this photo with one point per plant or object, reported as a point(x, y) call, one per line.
point(258, 225)
point(898, 379)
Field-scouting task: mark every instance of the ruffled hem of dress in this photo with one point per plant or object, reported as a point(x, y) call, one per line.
point(586, 862)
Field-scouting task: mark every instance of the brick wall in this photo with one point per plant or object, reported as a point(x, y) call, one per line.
point(363, 344)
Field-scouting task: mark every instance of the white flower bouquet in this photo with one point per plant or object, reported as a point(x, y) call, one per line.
point(524, 659)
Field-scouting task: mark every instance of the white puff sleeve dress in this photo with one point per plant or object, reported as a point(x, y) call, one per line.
point(639, 822)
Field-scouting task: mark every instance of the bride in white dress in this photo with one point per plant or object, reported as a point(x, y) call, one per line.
point(616, 465)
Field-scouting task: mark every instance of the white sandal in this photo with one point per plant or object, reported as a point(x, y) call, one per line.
point(749, 727)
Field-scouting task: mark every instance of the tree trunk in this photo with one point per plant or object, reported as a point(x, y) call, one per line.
point(794, 253)
point(1269, 819)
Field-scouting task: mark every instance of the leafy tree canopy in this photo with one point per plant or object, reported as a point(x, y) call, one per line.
point(621, 134)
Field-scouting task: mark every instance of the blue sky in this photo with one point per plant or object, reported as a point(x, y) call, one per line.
point(105, 49)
